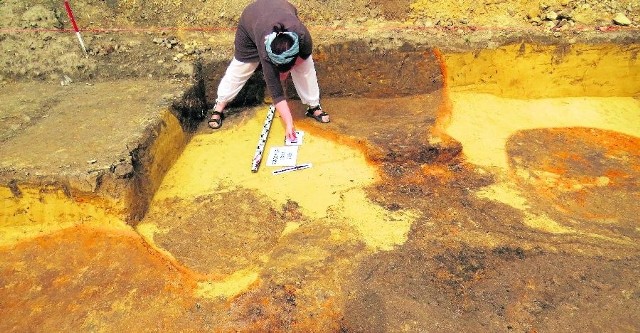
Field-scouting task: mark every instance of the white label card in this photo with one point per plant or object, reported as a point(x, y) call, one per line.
point(283, 156)
point(297, 142)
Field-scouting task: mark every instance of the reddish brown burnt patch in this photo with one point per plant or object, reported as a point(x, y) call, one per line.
point(89, 279)
point(391, 130)
point(580, 173)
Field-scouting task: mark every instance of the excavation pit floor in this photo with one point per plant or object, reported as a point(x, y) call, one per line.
point(449, 211)
point(498, 195)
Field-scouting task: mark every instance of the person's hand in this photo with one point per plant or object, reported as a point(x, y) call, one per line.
point(285, 115)
point(290, 132)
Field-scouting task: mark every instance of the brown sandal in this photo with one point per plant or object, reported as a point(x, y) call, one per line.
point(216, 123)
point(311, 113)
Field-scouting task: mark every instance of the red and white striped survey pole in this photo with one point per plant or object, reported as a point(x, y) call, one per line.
point(75, 26)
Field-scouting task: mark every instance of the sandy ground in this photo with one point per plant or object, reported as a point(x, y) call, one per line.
point(487, 201)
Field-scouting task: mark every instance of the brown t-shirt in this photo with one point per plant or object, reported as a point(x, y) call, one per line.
point(256, 22)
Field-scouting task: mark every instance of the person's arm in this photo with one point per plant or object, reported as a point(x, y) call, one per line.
point(272, 78)
point(285, 114)
point(277, 94)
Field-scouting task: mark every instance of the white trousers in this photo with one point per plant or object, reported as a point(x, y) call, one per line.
point(303, 74)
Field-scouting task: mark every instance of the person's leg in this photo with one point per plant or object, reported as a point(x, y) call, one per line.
point(235, 77)
point(305, 81)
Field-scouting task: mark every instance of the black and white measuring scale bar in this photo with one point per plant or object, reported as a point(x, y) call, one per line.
point(292, 168)
point(257, 157)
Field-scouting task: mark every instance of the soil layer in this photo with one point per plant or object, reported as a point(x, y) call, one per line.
point(480, 171)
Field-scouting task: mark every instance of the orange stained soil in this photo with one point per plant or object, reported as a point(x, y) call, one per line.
point(86, 277)
point(531, 225)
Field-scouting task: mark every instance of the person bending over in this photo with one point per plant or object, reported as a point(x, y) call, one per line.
point(270, 34)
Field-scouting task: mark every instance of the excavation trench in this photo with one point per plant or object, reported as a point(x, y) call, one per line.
point(447, 185)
